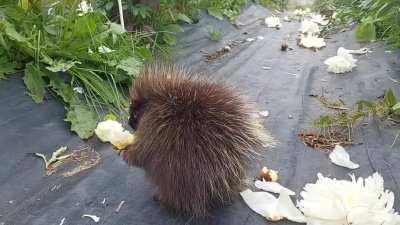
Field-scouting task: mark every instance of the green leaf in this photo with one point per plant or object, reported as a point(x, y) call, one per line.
point(184, 18)
point(144, 53)
point(109, 6)
point(62, 89)
point(61, 65)
point(396, 107)
point(11, 32)
point(110, 116)
point(170, 39)
point(173, 28)
point(34, 82)
point(130, 65)
point(217, 13)
point(116, 28)
point(83, 121)
point(390, 98)
point(366, 32)
point(6, 67)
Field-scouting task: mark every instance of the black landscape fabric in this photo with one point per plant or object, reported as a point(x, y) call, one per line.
point(277, 81)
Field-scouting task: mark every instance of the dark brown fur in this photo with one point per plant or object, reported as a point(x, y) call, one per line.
point(194, 138)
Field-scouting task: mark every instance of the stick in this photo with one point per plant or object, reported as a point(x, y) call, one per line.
point(121, 14)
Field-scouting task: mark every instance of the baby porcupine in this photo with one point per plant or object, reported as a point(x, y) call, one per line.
point(194, 138)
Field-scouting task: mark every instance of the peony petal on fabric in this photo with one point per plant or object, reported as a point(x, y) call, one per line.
point(272, 187)
point(340, 157)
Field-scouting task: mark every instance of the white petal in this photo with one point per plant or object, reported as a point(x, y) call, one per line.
point(264, 113)
point(260, 37)
point(95, 218)
point(272, 187)
point(273, 22)
point(262, 203)
point(250, 39)
point(286, 208)
point(340, 157)
point(105, 50)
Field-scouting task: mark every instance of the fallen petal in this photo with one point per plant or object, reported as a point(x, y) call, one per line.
point(287, 209)
point(96, 219)
point(264, 113)
point(262, 203)
point(272, 187)
point(340, 157)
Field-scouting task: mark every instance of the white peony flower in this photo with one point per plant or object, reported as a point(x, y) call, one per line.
point(311, 41)
point(342, 63)
point(319, 19)
point(272, 208)
point(113, 132)
point(273, 22)
point(340, 157)
point(309, 27)
point(104, 49)
point(84, 7)
point(357, 202)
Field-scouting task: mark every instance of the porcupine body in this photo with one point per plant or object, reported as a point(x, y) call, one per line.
point(194, 138)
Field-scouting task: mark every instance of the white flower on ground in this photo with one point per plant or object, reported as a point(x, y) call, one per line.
point(311, 41)
point(105, 50)
point(113, 132)
point(272, 208)
point(319, 19)
point(342, 63)
point(340, 157)
point(84, 7)
point(273, 22)
point(357, 202)
point(309, 27)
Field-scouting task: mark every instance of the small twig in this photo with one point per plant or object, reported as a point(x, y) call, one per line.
point(395, 139)
point(119, 206)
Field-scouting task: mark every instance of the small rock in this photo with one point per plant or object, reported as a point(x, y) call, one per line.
point(260, 37)
point(227, 48)
point(290, 116)
point(266, 68)
point(264, 113)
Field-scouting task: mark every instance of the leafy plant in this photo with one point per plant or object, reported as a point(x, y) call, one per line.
point(214, 34)
point(377, 20)
point(62, 49)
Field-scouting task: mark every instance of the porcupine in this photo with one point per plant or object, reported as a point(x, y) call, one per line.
point(195, 138)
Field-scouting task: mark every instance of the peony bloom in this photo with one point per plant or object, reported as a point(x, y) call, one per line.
point(311, 41)
point(273, 22)
point(342, 63)
point(309, 27)
point(113, 132)
point(341, 202)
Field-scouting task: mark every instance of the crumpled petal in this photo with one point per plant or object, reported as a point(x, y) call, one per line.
point(311, 41)
point(340, 157)
point(272, 208)
point(309, 27)
point(273, 22)
point(113, 132)
point(272, 187)
point(262, 203)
